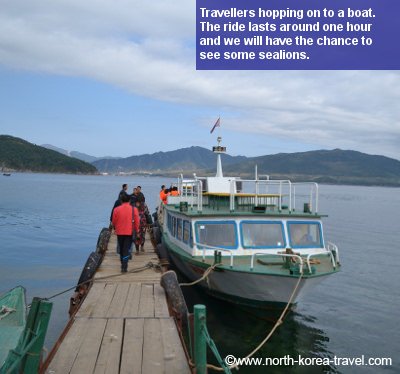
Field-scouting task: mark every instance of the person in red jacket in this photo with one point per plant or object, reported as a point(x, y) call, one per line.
point(125, 220)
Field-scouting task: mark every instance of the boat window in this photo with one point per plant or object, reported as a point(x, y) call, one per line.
point(173, 226)
point(169, 222)
point(217, 234)
point(179, 228)
point(305, 234)
point(186, 231)
point(261, 234)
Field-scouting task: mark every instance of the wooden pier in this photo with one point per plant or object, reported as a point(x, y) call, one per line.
point(123, 326)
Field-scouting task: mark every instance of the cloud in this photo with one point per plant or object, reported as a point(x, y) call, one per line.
point(148, 49)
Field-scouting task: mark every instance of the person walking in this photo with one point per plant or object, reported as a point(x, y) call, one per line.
point(126, 221)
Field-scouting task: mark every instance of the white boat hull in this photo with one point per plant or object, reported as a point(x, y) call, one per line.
point(246, 287)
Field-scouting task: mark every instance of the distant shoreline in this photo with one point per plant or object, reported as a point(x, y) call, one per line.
point(321, 180)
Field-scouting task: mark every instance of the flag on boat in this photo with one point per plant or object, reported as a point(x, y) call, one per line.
point(217, 124)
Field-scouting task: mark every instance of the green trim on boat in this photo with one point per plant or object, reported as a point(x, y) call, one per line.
point(209, 261)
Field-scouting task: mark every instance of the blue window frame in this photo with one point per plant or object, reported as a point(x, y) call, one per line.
point(221, 234)
point(305, 234)
point(262, 234)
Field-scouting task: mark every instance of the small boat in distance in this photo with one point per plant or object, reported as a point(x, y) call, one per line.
point(264, 237)
point(7, 174)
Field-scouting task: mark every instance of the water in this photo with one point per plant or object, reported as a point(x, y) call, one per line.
point(50, 223)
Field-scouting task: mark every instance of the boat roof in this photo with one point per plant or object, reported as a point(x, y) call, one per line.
point(253, 212)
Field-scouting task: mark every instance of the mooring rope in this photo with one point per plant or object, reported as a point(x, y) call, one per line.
point(149, 265)
point(204, 276)
point(277, 324)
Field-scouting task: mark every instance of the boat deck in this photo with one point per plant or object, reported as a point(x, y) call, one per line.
point(123, 325)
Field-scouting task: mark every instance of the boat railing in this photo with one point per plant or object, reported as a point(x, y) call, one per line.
point(208, 247)
point(318, 254)
point(191, 191)
point(254, 255)
point(333, 249)
point(329, 251)
point(283, 193)
point(312, 195)
point(286, 192)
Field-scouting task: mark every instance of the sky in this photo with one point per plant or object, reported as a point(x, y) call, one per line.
point(118, 78)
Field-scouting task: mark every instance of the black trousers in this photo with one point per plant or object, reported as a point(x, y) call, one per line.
point(124, 242)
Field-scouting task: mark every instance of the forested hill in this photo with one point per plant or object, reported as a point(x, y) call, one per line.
point(19, 155)
point(330, 166)
point(185, 159)
point(325, 166)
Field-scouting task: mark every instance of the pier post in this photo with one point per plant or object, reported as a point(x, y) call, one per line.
point(200, 344)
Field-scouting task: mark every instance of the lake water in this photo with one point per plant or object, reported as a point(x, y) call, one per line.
point(50, 223)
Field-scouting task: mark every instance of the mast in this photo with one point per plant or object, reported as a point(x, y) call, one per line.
point(219, 150)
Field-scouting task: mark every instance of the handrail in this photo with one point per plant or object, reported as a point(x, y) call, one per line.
point(205, 246)
point(333, 249)
point(285, 188)
point(320, 253)
point(279, 255)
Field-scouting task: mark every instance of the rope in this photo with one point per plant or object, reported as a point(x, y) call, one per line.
point(205, 275)
point(277, 324)
point(5, 311)
point(149, 265)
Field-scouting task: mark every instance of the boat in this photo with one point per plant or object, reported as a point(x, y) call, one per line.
point(251, 242)
point(22, 334)
point(7, 174)
point(12, 320)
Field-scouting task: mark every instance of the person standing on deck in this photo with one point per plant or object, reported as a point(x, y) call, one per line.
point(145, 220)
point(164, 195)
point(134, 197)
point(140, 196)
point(126, 221)
point(162, 192)
point(123, 191)
point(174, 191)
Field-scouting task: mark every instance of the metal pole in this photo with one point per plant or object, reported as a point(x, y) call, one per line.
point(200, 344)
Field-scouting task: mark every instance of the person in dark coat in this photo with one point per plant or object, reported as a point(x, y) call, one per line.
point(123, 191)
point(139, 194)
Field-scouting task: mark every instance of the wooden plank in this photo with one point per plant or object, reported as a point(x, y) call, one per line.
point(153, 356)
point(131, 307)
point(90, 302)
point(111, 346)
point(67, 352)
point(119, 300)
point(105, 300)
point(89, 349)
point(174, 356)
point(160, 302)
point(146, 304)
point(132, 349)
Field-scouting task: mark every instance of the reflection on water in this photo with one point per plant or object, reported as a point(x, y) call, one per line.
point(237, 330)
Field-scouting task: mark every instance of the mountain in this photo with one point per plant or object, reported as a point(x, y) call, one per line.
point(324, 166)
point(330, 166)
point(79, 155)
point(19, 155)
point(181, 160)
